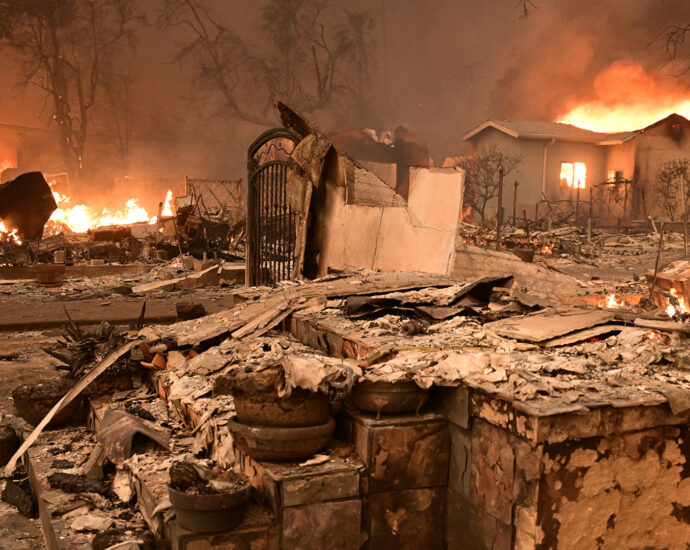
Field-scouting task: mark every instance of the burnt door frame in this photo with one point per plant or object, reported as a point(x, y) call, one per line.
point(268, 214)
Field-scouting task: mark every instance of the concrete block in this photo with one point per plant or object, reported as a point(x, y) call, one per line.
point(410, 519)
point(454, 405)
point(401, 451)
point(471, 528)
point(284, 485)
point(232, 273)
point(630, 490)
point(456, 509)
point(258, 531)
point(460, 460)
point(492, 471)
point(323, 526)
point(536, 428)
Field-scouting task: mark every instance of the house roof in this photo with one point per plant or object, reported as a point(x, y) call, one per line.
point(536, 129)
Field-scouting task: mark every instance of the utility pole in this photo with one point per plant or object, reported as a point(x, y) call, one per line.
point(591, 215)
point(685, 217)
point(499, 212)
point(658, 259)
point(515, 202)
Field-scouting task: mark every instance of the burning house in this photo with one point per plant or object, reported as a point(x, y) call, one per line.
point(561, 163)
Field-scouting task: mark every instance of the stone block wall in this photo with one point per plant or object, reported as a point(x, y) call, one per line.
point(404, 484)
point(475, 472)
point(607, 478)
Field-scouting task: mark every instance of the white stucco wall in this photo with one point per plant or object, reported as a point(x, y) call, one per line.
point(416, 237)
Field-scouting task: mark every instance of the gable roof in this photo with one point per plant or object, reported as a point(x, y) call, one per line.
point(537, 129)
point(672, 118)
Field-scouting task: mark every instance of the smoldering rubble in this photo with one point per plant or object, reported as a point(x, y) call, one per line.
point(534, 384)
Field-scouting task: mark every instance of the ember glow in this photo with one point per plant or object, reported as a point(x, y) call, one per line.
point(611, 301)
point(626, 98)
point(544, 249)
point(80, 218)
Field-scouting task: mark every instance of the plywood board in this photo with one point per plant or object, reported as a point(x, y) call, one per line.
point(550, 325)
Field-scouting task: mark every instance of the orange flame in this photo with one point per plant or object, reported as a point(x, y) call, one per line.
point(611, 302)
point(9, 235)
point(682, 305)
point(574, 174)
point(81, 218)
point(167, 208)
point(545, 249)
point(627, 98)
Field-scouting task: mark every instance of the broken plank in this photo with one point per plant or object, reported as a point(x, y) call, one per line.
point(664, 326)
point(207, 277)
point(472, 262)
point(547, 326)
point(94, 373)
point(582, 335)
point(168, 284)
point(278, 300)
point(56, 531)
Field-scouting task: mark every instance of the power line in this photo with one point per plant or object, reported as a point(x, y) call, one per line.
point(25, 128)
point(22, 128)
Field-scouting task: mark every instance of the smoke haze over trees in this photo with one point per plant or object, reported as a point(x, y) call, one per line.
point(437, 69)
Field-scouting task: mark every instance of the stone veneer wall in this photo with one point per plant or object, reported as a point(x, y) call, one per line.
point(610, 478)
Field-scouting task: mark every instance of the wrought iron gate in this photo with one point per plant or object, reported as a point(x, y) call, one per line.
point(271, 223)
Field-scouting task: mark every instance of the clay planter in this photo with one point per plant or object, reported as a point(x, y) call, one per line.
point(257, 402)
point(281, 444)
point(49, 274)
point(204, 513)
point(34, 401)
point(388, 397)
point(301, 408)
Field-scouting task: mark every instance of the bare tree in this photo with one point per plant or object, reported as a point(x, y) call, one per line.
point(669, 187)
point(118, 112)
point(65, 48)
point(311, 51)
point(360, 47)
point(674, 37)
point(482, 176)
point(221, 57)
point(525, 7)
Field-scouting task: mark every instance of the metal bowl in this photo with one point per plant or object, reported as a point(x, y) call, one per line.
point(277, 444)
point(210, 513)
point(388, 397)
point(300, 408)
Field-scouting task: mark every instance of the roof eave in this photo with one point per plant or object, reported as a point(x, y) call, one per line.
point(490, 124)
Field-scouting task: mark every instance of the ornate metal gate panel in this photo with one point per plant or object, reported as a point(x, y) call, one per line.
point(271, 223)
